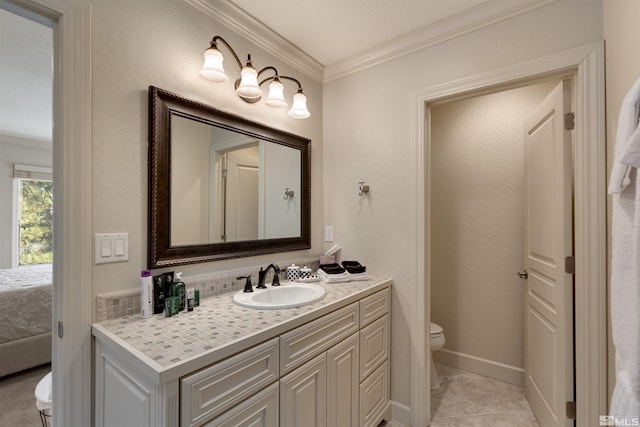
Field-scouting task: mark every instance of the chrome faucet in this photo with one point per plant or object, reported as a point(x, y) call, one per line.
point(262, 274)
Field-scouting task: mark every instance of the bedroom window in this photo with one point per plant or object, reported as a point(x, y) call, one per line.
point(33, 215)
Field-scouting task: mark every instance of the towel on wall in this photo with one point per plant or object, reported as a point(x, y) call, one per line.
point(625, 259)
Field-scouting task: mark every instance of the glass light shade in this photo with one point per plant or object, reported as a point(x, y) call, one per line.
point(299, 107)
point(249, 88)
point(276, 95)
point(212, 69)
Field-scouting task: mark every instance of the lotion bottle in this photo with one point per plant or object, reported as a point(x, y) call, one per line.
point(191, 294)
point(180, 291)
point(146, 294)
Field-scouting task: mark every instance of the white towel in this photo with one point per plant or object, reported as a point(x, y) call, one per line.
point(333, 278)
point(625, 261)
point(627, 141)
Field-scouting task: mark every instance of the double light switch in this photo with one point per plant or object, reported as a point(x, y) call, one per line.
point(112, 247)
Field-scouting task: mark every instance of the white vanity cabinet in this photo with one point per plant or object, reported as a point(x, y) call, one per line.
point(325, 369)
point(348, 385)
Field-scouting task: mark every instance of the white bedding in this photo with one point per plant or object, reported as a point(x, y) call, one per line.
point(25, 302)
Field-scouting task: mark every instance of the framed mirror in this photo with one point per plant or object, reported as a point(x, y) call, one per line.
point(222, 186)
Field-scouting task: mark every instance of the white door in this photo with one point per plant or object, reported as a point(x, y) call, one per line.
point(548, 241)
point(242, 194)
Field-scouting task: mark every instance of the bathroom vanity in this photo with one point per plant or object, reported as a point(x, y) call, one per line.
point(323, 364)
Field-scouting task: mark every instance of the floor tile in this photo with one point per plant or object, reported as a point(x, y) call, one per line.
point(471, 400)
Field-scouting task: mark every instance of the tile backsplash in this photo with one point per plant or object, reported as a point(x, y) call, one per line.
point(127, 302)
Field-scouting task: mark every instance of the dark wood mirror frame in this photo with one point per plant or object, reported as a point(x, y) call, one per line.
point(160, 252)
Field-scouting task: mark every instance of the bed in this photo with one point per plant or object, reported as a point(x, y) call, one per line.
point(25, 318)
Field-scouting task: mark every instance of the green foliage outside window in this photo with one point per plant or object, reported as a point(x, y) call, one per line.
point(36, 222)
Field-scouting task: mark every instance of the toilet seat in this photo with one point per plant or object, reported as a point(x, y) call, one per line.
point(435, 330)
point(436, 342)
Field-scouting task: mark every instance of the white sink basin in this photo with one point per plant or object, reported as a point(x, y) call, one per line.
point(284, 296)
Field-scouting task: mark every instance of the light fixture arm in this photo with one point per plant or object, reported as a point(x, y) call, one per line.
point(276, 76)
point(248, 86)
point(213, 45)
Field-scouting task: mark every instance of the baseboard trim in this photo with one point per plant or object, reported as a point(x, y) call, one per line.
point(401, 413)
point(478, 365)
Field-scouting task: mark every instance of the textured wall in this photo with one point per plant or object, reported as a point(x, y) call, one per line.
point(160, 43)
point(367, 136)
point(477, 222)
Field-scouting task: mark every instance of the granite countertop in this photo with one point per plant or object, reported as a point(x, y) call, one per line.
point(218, 327)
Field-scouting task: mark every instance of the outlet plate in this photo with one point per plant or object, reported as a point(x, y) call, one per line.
point(328, 233)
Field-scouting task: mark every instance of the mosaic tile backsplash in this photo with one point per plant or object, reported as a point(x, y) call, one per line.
point(117, 304)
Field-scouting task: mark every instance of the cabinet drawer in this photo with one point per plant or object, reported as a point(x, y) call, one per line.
point(259, 410)
point(307, 341)
point(374, 346)
point(374, 397)
point(208, 393)
point(374, 306)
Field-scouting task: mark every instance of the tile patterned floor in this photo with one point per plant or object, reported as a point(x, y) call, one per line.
point(472, 400)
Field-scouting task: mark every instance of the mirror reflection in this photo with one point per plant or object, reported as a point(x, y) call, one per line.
point(222, 186)
point(227, 186)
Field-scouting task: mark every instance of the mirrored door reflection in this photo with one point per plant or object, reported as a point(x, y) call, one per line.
point(227, 186)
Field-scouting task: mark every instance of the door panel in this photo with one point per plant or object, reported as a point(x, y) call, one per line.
point(548, 240)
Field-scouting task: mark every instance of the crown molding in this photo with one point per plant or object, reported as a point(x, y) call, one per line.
point(261, 35)
point(483, 15)
point(469, 20)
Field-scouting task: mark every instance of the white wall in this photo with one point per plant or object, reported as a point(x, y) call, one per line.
point(622, 35)
point(160, 43)
point(477, 223)
point(26, 152)
point(367, 137)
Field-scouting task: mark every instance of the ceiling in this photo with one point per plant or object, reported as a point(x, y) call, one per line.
point(332, 30)
point(336, 36)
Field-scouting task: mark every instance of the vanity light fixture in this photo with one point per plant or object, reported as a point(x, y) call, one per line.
point(248, 86)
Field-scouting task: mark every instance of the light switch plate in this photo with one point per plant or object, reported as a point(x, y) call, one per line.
point(112, 247)
point(328, 233)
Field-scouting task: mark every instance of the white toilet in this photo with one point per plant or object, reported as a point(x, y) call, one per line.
point(437, 342)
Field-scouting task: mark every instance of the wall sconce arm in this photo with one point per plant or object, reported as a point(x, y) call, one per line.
point(214, 45)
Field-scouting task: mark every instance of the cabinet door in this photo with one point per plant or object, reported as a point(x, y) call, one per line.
point(374, 397)
point(259, 410)
point(303, 395)
point(374, 346)
point(126, 401)
point(343, 383)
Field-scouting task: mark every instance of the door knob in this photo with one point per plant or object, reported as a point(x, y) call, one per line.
point(523, 274)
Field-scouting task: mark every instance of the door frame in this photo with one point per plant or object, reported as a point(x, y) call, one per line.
point(586, 64)
point(72, 252)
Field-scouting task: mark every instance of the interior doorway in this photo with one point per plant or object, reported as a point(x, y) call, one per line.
point(587, 64)
point(478, 223)
point(26, 212)
point(72, 254)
